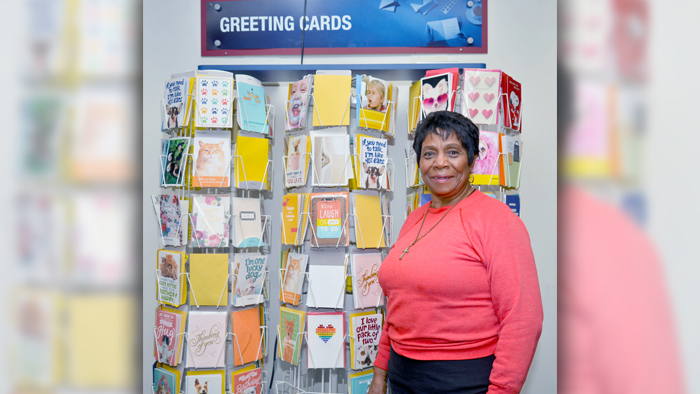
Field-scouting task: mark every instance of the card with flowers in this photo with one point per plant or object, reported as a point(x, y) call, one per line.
point(210, 220)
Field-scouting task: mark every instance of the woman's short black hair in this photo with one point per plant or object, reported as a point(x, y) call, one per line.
point(444, 123)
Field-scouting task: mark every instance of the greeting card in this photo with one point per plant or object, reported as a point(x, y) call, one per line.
point(366, 330)
point(177, 100)
point(293, 278)
point(481, 95)
point(173, 171)
point(326, 340)
point(209, 279)
point(247, 337)
point(373, 162)
point(210, 219)
point(295, 218)
point(330, 152)
point(170, 220)
point(166, 380)
point(298, 154)
point(250, 278)
point(167, 330)
point(332, 95)
point(214, 101)
point(251, 162)
point(486, 162)
point(370, 225)
point(212, 158)
point(436, 94)
point(327, 271)
point(251, 108)
point(247, 223)
point(374, 105)
point(297, 100)
point(205, 382)
point(247, 380)
point(171, 278)
point(359, 382)
point(329, 219)
point(206, 340)
point(511, 102)
point(366, 292)
point(290, 328)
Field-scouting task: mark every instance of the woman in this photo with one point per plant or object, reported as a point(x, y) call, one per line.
point(464, 311)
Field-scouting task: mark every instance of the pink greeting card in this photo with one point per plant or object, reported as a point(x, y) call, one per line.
point(206, 339)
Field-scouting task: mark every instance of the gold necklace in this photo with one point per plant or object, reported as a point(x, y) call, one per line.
point(419, 237)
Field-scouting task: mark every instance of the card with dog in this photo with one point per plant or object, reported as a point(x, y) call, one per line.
point(166, 380)
point(366, 330)
point(205, 382)
point(214, 101)
point(247, 380)
point(291, 325)
point(171, 279)
point(177, 100)
point(250, 279)
point(373, 162)
point(325, 340)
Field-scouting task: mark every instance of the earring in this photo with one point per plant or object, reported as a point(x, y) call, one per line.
point(471, 179)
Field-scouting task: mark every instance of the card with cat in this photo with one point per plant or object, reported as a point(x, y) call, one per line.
point(251, 108)
point(212, 158)
point(298, 154)
point(289, 330)
point(250, 279)
point(293, 278)
point(214, 107)
point(330, 152)
point(210, 220)
point(329, 221)
point(325, 340)
point(170, 324)
point(436, 94)
point(171, 280)
point(205, 382)
point(247, 336)
point(366, 329)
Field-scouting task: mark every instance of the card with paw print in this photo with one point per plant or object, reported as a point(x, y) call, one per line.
point(481, 95)
point(214, 101)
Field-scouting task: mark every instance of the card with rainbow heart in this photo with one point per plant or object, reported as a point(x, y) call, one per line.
point(481, 95)
point(326, 340)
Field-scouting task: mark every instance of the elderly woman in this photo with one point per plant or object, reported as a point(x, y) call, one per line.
point(464, 312)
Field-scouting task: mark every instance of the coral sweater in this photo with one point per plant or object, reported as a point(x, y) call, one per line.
point(466, 290)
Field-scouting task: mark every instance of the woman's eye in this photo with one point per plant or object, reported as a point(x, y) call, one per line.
point(453, 153)
point(428, 154)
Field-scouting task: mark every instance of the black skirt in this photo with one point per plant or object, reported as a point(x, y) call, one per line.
point(408, 376)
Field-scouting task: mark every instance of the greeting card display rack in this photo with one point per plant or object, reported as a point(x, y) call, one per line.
point(285, 377)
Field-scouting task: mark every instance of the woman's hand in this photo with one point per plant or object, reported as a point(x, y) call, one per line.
point(378, 382)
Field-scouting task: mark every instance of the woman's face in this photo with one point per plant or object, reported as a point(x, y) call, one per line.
point(375, 98)
point(444, 164)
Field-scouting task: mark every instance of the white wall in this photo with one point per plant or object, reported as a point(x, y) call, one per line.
point(522, 41)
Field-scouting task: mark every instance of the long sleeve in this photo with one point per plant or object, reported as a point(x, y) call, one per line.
point(504, 246)
point(382, 360)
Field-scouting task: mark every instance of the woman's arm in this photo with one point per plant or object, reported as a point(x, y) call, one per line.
point(378, 382)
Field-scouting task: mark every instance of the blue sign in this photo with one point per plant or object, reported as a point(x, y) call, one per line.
point(240, 27)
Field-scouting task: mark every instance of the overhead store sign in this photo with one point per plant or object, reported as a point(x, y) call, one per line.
point(286, 27)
